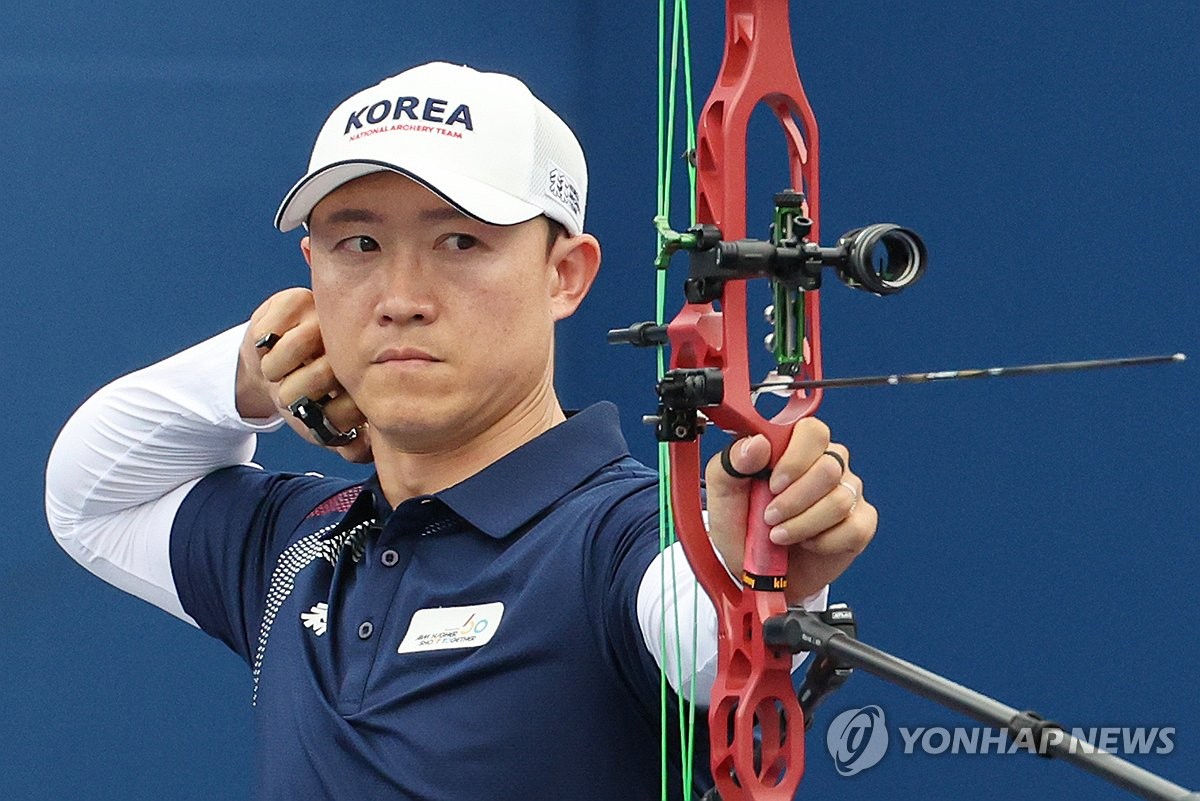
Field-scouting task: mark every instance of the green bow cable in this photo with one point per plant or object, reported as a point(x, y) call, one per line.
point(667, 94)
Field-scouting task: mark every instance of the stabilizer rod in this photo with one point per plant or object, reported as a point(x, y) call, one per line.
point(799, 630)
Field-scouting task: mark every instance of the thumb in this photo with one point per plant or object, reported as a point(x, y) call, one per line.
point(729, 496)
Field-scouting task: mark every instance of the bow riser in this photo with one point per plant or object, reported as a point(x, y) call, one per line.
point(753, 685)
point(753, 697)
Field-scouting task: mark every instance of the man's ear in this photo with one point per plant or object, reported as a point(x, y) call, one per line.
point(306, 249)
point(575, 260)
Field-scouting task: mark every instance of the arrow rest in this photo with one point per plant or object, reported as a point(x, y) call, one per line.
point(681, 394)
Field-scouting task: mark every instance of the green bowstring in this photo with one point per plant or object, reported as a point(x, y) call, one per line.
point(666, 525)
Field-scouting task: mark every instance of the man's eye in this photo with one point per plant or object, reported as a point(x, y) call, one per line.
point(359, 244)
point(460, 242)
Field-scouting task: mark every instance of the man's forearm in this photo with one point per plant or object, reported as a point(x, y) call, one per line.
point(123, 462)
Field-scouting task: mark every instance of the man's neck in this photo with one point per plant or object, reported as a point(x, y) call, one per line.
point(406, 471)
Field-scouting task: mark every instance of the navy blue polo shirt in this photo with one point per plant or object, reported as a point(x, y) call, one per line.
point(480, 642)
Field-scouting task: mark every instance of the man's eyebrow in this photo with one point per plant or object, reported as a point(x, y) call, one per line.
point(352, 215)
point(441, 214)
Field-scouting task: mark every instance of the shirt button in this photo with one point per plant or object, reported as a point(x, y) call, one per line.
point(389, 558)
point(364, 630)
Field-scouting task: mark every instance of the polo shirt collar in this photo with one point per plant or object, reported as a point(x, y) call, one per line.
point(517, 487)
point(368, 504)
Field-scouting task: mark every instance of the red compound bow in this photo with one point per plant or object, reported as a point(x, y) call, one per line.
point(755, 718)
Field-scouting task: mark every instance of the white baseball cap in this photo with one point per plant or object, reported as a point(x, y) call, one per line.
point(480, 140)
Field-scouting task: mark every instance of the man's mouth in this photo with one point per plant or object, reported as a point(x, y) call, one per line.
point(403, 354)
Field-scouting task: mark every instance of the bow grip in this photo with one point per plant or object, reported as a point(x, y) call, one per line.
point(764, 566)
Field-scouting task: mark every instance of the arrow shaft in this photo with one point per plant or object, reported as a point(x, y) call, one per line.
point(990, 372)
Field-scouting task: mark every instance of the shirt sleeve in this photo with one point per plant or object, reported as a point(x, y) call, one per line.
point(669, 599)
point(125, 461)
point(226, 541)
point(658, 617)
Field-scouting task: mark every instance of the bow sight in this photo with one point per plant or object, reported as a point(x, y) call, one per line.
point(881, 258)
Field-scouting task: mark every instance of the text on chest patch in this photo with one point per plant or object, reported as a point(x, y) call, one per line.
point(451, 627)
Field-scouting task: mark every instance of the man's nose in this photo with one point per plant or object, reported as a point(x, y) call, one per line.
point(406, 293)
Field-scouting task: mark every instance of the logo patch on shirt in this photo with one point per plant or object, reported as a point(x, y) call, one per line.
point(316, 618)
point(451, 627)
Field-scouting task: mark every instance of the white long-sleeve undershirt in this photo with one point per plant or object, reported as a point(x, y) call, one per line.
point(125, 461)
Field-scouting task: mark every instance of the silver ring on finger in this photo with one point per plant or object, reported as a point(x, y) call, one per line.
point(853, 492)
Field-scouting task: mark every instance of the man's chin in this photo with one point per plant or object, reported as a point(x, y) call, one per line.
point(417, 430)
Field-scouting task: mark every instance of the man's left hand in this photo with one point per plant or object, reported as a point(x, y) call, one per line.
point(818, 511)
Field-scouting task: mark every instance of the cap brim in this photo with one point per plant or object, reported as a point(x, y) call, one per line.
point(473, 198)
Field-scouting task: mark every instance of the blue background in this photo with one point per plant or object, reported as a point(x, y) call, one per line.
point(1039, 535)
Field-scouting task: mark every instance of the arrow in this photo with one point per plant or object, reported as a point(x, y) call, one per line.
point(946, 375)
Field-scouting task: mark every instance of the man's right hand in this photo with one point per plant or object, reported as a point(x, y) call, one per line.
point(295, 366)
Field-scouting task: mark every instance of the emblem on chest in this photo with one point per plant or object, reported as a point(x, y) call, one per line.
point(448, 627)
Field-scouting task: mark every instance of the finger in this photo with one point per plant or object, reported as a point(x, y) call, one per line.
point(282, 307)
point(321, 429)
point(279, 313)
point(335, 411)
point(809, 521)
point(358, 451)
point(296, 347)
point(728, 500)
point(820, 560)
point(746, 457)
point(851, 536)
point(840, 454)
point(314, 380)
point(808, 489)
point(343, 413)
point(809, 439)
point(727, 464)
